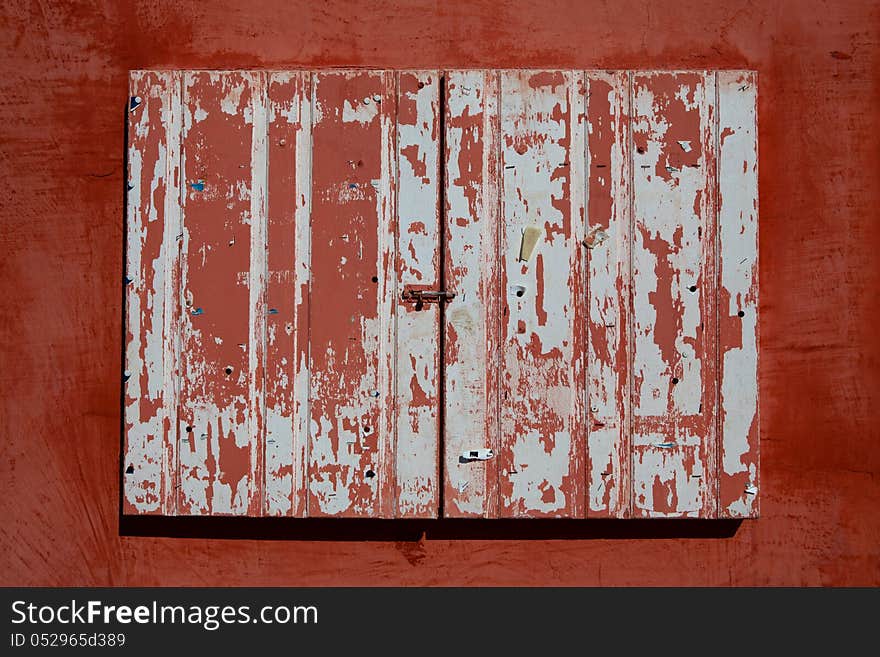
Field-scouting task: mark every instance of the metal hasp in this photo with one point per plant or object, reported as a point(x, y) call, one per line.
point(339, 283)
point(427, 296)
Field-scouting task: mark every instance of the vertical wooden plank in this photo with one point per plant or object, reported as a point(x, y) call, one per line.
point(608, 251)
point(223, 270)
point(673, 278)
point(287, 329)
point(302, 300)
point(153, 220)
point(542, 457)
point(418, 267)
point(353, 292)
point(471, 270)
point(738, 293)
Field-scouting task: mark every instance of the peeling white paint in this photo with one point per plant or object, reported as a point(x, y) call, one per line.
point(355, 110)
point(418, 349)
point(149, 449)
point(289, 103)
point(738, 239)
point(608, 298)
point(255, 437)
point(532, 406)
point(542, 364)
point(471, 365)
point(673, 220)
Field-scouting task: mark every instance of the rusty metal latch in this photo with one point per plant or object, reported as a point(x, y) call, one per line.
point(420, 297)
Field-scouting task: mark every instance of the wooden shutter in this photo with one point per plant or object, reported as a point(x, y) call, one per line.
point(614, 373)
point(597, 228)
point(271, 366)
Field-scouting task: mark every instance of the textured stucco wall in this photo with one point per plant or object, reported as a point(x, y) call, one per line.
point(62, 96)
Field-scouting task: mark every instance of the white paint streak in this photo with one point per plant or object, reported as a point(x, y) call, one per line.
point(542, 386)
point(301, 326)
point(672, 279)
point(608, 295)
point(418, 240)
point(738, 262)
point(150, 387)
point(471, 329)
point(254, 439)
point(386, 326)
point(357, 110)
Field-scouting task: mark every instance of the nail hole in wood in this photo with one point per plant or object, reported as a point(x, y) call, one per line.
point(674, 380)
point(740, 314)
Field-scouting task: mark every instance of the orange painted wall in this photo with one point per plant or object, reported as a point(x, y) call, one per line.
point(62, 95)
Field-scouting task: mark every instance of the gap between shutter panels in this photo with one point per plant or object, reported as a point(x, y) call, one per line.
point(549, 384)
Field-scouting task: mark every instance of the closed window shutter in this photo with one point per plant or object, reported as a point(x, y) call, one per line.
point(545, 279)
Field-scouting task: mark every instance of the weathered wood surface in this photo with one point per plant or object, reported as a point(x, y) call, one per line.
point(353, 285)
point(272, 367)
point(287, 292)
point(472, 326)
point(417, 384)
point(738, 294)
point(223, 179)
point(608, 293)
point(152, 286)
point(543, 437)
point(673, 296)
point(599, 232)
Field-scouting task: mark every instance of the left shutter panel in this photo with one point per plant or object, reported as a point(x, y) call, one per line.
point(272, 365)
